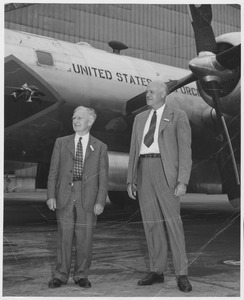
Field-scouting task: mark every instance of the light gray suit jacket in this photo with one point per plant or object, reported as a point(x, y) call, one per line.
point(95, 172)
point(174, 140)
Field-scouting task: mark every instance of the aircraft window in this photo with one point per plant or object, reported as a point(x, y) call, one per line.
point(44, 58)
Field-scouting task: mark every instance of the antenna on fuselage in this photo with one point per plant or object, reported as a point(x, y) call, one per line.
point(117, 46)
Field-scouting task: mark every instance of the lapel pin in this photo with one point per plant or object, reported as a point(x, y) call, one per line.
point(91, 148)
point(167, 120)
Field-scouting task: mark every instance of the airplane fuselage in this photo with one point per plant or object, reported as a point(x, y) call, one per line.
point(69, 75)
point(78, 74)
point(75, 69)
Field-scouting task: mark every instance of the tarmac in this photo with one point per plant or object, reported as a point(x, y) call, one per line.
point(120, 256)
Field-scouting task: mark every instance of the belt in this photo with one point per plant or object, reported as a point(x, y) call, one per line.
point(77, 179)
point(151, 155)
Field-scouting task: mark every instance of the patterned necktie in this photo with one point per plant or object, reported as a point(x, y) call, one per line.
point(78, 165)
point(149, 137)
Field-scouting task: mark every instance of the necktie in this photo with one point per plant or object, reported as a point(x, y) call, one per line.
point(149, 137)
point(78, 165)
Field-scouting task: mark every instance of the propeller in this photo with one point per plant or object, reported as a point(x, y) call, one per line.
point(176, 84)
point(201, 17)
point(207, 62)
point(212, 68)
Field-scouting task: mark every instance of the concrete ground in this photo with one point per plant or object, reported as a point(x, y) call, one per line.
point(120, 257)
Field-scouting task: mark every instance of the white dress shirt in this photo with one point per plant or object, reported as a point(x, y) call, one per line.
point(84, 141)
point(154, 148)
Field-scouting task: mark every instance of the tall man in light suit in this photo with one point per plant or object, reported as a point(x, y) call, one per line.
point(159, 170)
point(77, 190)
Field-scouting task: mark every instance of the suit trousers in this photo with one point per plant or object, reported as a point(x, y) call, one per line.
point(160, 211)
point(75, 226)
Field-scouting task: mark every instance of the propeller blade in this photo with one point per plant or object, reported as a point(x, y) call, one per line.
point(201, 17)
point(214, 89)
point(176, 84)
point(135, 104)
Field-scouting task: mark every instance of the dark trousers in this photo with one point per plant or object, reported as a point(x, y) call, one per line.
point(75, 226)
point(160, 212)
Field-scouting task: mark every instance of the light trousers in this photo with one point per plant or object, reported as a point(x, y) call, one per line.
point(160, 211)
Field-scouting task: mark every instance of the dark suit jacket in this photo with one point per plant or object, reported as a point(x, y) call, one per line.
point(95, 172)
point(174, 143)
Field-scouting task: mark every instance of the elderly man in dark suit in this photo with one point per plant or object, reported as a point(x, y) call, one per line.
point(77, 190)
point(159, 170)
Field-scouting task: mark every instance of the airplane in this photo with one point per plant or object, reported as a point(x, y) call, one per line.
point(46, 78)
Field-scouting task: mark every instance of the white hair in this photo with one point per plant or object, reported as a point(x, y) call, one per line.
point(161, 84)
point(91, 114)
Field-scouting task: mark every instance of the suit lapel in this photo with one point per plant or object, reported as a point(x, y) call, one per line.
point(90, 146)
point(71, 144)
point(166, 117)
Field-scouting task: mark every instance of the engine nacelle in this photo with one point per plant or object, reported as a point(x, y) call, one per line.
point(205, 177)
point(118, 165)
point(230, 93)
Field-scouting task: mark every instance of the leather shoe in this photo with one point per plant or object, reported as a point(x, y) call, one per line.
point(55, 283)
point(184, 284)
point(84, 282)
point(151, 278)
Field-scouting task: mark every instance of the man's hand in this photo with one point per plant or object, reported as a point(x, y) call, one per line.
point(132, 190)
point(98, 209)
point(51, 203)
point(180, 189)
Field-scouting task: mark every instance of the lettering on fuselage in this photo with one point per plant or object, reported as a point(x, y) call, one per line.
point(91, 71)
point(126, 78)
point(186, 90)
point(106, 74)
point(122, 77)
